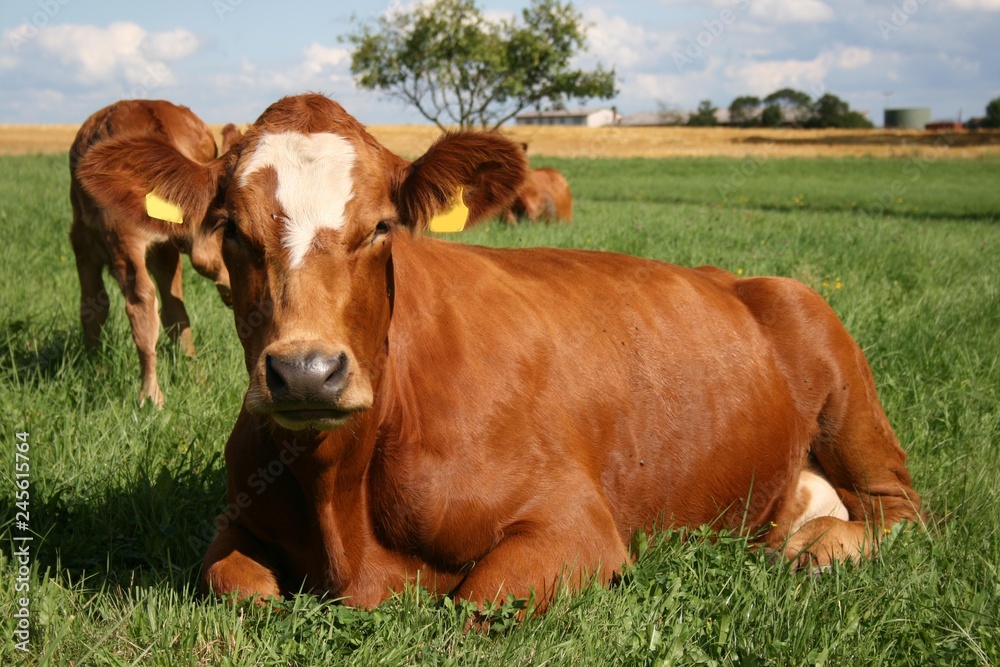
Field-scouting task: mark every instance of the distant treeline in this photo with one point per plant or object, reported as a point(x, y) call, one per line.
point(793, 108)
point(784, 108)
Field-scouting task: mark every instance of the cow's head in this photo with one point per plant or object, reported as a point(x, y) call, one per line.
point(313, 205)
point(120, 173)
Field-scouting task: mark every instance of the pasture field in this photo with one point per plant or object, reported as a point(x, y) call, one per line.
point(122, 498)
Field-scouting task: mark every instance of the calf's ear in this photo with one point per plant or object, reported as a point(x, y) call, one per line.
point(486, 168)
point(147, 179)
point(230, 135)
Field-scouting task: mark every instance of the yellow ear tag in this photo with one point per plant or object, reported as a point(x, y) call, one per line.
point(454, 219)
point(161, 209)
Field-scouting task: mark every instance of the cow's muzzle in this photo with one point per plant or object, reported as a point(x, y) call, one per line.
point(307, 389)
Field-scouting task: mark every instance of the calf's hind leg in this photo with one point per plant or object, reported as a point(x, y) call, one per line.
point(94, 301)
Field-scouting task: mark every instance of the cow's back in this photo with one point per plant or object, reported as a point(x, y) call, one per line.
point(543, 369)
point(175, 124)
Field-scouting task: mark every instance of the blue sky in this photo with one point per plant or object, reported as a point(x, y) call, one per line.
point(60, 60)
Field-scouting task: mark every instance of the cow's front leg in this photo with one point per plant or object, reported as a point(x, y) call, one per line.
point(576, 546)
point(237, 562)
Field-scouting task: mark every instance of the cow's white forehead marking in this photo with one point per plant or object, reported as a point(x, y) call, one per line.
point(314, 183)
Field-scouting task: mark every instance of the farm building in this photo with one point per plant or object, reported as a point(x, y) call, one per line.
point(584, 117)
point(945, 126)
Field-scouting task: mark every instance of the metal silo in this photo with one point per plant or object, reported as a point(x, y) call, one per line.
point(907, 119)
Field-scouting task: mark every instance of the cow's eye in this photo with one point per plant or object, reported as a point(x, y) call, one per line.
point(231, 230)
point(383, 227)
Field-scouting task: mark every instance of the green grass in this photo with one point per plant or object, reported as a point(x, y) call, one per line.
point(122, 498)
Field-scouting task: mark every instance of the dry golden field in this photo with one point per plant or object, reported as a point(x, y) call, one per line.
point(412, 140)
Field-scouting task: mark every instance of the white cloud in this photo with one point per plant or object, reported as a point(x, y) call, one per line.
point(318, 68)
point(674, 89)
point(319, 58)
point(617, 42)
point(792, 11)
point(765, 76)
point(987, 5)
point(122, 52)
point(97, 54)
point(761, 78)
point(961, 67)
point(172, 45)
point(850, 57)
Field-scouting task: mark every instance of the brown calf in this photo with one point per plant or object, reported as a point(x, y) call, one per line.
point(111, 227)
point(491, 422)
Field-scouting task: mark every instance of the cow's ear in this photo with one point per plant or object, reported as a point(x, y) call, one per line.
point(147, 179)
point(484, 168)
point(230, 135)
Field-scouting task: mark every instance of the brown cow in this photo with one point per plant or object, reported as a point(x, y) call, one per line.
point(491, 422)
point(544, 195)
point(123, 237)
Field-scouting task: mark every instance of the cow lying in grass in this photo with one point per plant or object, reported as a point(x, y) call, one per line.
point(544, 195)
point(501, 422)
point(118, 224)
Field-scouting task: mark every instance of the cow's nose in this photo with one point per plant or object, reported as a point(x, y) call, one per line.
point(307, 378)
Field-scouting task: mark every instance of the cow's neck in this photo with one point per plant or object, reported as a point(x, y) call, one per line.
point(420, 321)
point(332, 476)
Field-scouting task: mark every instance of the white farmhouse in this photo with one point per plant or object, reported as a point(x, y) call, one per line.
point(581, 117)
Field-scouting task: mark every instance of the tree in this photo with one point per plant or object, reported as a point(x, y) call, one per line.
point(831, 111)
point(793, 107)
point(456, 67)
point(853, 120)
point(745, 111)
point(828, 108)
point(704, 116)
point(772, 116)
point(789, 106)
point(993, 113)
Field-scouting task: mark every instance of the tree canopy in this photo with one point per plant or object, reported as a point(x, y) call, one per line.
point(704, 116)
point(993, 113)
point(794, 107)
point(831, 111)
point(745, 111)
point(786, 106)
point(455, 66)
